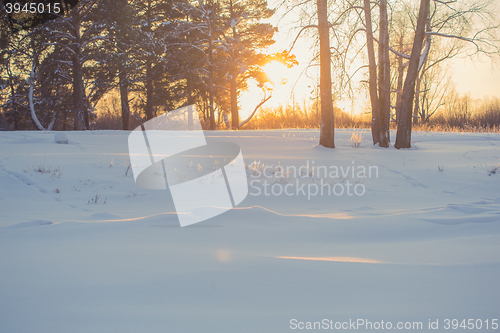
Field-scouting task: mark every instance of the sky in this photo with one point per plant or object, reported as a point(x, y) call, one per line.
point(479, 78)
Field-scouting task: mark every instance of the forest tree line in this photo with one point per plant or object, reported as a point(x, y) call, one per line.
point(160, 55)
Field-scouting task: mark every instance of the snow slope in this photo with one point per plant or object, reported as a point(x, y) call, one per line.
point(83, 249)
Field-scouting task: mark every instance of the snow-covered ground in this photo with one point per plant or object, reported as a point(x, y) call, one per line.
point(84, 249)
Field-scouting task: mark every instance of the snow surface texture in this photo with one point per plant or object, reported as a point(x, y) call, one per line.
point(61, 137)
point(83, 249)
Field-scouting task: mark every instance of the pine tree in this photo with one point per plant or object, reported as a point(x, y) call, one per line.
point(159, 23)
point(77, 34)
point(241, 47)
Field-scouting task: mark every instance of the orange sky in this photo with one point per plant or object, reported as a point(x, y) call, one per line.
point(478, 78)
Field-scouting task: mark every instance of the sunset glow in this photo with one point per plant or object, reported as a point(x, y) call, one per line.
point(277, 72)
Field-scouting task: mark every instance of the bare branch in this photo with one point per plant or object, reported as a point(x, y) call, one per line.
point(298, 35)
point(399, 54)
point(255, 110)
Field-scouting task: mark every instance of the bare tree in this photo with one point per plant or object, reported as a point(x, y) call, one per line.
point(435, 86)
point(403, 135)
point(384, 77)
point(473, 23)
point(321, 10)
point(372, 67)
point(327, 127)
point(380, 92)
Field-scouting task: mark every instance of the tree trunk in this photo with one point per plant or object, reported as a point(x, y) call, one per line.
point(14, 111)
point(190, 100)
point(425, 106)
point(401, 70)
point(78, 89)
point(422, 68)
point(235, 118)
point(403, 136)
point(372, 66)
point(416, 108)
point(123, 82)
point(149, 90)
point(13, 98)
point(31, 92)
point(233, 89)
point(384, 77)
point(211, 72)
point(327, 129)
point(78, 96)
point(149, 64)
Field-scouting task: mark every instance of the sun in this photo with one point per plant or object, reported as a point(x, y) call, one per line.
point(276, 72)
point(281, 77)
